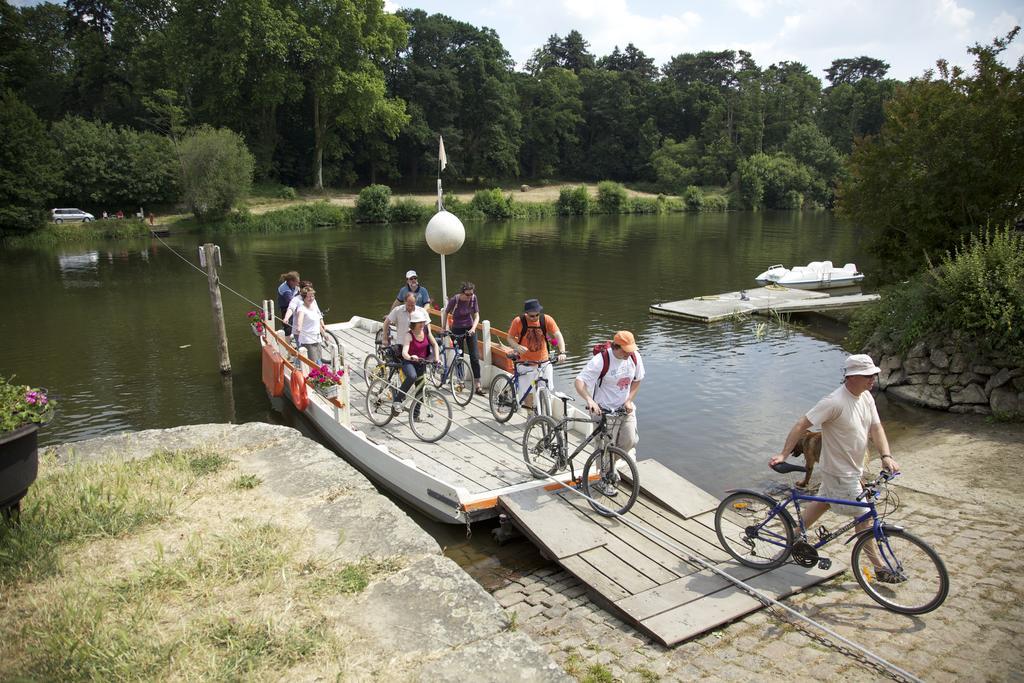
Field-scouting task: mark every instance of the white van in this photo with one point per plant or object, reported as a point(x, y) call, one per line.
point(70, 215)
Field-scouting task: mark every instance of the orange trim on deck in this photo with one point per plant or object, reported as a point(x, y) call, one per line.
point(493, 502)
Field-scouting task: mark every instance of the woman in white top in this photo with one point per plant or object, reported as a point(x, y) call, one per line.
point(310, 324)
point(291, 315)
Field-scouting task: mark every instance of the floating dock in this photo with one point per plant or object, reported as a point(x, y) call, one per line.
point(652, 585)
point(759, 301)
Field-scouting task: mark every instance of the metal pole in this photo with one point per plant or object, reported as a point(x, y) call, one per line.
point(444, 285)
point(211, 252)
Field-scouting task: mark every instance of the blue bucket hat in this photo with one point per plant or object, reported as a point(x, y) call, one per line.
point(532, 306)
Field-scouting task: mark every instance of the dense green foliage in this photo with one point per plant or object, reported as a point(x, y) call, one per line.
point(29, 173)
point(216, 171)
point(302, 218)
point(114, 168)
point(611, 197)
point(373, 204)
point(574, 201)
point(948, 160)
point(975, 295)
point(340, 92)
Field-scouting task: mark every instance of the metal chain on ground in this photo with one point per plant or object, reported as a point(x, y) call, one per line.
point(764, 599)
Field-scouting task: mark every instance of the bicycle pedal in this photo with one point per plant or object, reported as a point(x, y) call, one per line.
point(824, 563)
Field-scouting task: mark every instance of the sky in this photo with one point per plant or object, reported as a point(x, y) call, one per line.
point(908, 34)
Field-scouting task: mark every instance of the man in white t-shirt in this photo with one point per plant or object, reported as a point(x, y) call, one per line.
point(848, 419)
point(610, 380)
point(398, 319)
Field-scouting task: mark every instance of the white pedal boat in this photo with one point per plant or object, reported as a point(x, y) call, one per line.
point(815, 275)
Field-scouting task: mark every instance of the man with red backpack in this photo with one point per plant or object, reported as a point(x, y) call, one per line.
point(611, 379)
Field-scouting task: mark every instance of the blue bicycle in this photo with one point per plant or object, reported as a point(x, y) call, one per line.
point(898, 570)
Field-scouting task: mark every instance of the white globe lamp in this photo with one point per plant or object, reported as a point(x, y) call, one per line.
point(445, 235)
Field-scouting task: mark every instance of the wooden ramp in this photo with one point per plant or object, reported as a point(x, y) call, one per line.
point(648, 584)
point(762, 300)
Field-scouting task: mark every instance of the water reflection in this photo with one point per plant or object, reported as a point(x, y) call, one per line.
point(123, 335)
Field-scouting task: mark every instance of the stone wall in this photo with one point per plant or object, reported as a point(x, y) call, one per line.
point(938, 375)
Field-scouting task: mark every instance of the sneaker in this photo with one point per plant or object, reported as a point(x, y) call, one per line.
point(396, 408)
point(883, 575)
point(606, 488)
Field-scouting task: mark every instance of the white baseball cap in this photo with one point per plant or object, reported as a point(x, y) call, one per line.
point(860, 364)
point(411, 273)
point(419, 316)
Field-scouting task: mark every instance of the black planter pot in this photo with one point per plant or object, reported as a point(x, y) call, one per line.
point(19, 465)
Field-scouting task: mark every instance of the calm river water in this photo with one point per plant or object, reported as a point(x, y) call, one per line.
point(121, 335)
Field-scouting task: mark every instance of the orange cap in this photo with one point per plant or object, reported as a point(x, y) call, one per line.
point(624, 338)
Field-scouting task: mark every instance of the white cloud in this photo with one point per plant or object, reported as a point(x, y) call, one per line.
point(612, 23)
point(947, 11)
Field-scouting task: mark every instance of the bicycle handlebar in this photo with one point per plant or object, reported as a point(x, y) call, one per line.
point(514, 357)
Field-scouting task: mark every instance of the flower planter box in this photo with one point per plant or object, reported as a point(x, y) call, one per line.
point(329, 392)
point(19, 464)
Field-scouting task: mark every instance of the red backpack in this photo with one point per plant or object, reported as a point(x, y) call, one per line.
point(605, 349)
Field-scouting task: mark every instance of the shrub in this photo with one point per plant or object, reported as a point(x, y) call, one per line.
point(373, 204)
point(493, 204)
point(411, 211)
point(715, 202)
point(301, 218)
point(646, 204)
point(611, 197)
point(775, 181)
point(574, 201)
point(216, 171)
point(287, 193)
point(693, 198)
point(975, 295)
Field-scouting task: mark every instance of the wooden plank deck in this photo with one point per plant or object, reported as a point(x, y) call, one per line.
point(758, 301)
point(477, 454)
point(649, 584)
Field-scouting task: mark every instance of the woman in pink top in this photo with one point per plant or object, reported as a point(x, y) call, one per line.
point(418, 348)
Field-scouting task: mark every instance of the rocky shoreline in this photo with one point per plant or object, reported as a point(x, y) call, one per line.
point(939, 375)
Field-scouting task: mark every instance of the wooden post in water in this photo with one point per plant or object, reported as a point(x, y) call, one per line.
point(211, 254)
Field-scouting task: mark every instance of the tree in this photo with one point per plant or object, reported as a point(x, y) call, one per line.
point(36, 61)
point(216, 171)
point(29, 171)
point(460, 83)
point(791, 95)
point(774, 181)
point(948, 160)
point(571, 52)
point(852, 106)
point(675, 164)
point(853, 70)
point(341, 48)
point(632, 60)
point(810, 147)
point(552, 112)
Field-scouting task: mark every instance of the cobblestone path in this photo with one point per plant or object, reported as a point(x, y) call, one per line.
point(977, 634)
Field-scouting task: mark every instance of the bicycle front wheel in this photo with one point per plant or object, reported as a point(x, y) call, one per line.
point(905, 575)
point(378, 402)
point(749, 533)
point(603, 484)
point(543, 446)
point(502, 398)
point(432, 419)
point(460, 379)
point(373, 369)
point(542, 401)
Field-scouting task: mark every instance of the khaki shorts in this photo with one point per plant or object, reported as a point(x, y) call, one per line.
point(847, 488)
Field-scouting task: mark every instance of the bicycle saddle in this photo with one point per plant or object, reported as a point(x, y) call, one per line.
point(785, 467)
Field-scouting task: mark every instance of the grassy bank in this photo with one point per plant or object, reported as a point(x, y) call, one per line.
point(168, 567)
point(278, 209)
